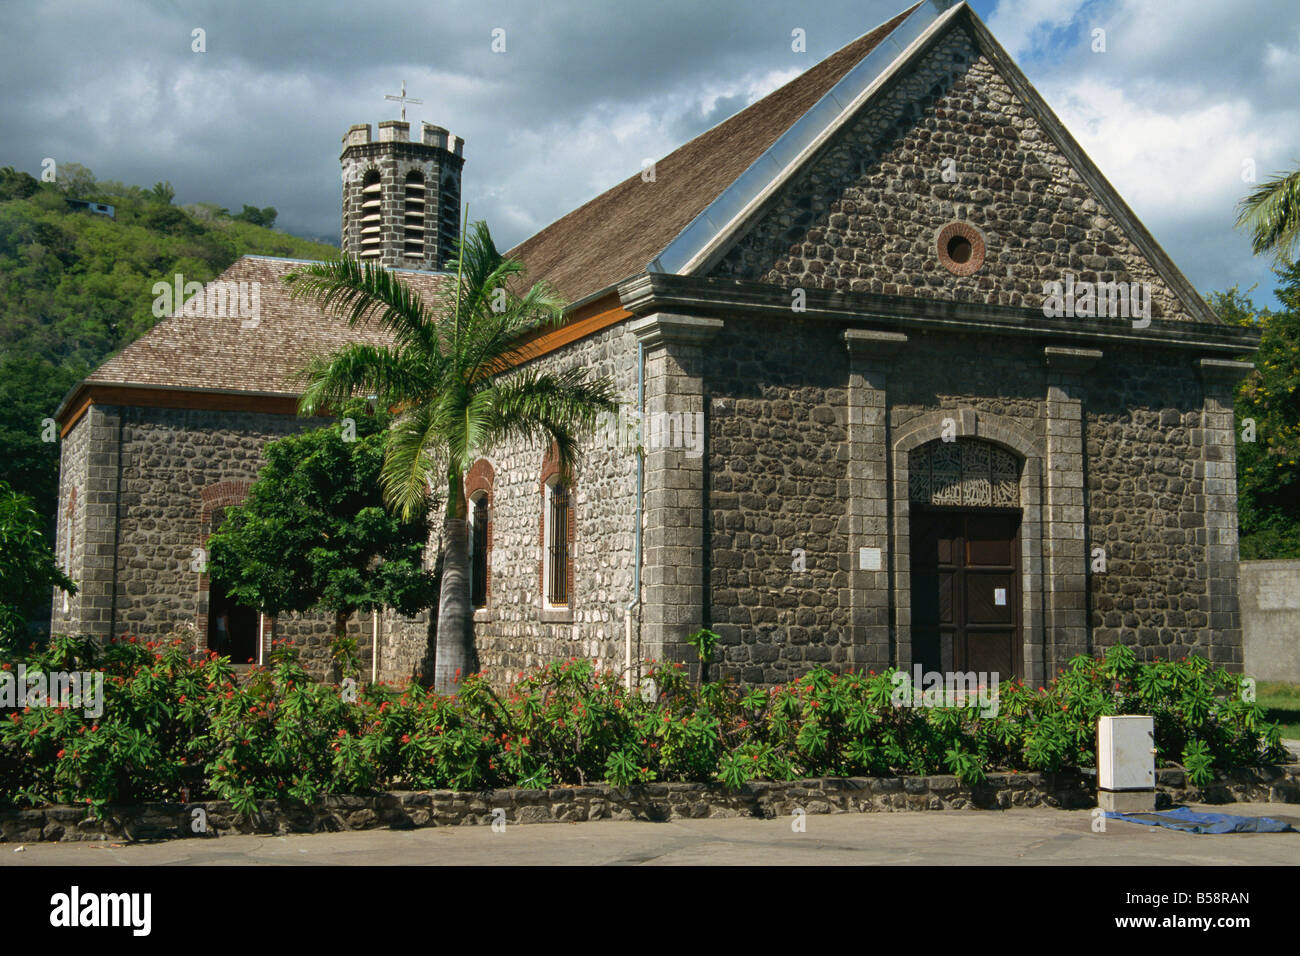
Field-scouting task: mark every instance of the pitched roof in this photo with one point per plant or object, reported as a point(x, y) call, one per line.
point(202, 351)
point(617, 234)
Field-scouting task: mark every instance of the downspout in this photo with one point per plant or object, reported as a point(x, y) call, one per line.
point(636, 536)
point(374, 648)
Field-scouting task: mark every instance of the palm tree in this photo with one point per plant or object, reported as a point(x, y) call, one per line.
point(1272, 213)
point(442, 377)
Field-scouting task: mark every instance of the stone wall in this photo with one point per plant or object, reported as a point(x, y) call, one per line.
point(655, 802)
point(777, 481)
point(169, 457)
point(514, 633)
point(1146, 509)
point(73, 495)
point(1119, 443)
point(865, 214)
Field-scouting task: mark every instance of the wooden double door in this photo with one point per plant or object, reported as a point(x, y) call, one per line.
point(966, 590)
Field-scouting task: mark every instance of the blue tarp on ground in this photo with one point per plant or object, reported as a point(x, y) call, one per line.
point(1192, 822)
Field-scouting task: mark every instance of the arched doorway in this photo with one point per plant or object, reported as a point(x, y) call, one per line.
point(232, 629)
point(965, 557)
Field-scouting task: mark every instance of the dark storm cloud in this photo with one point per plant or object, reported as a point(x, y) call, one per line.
point(583, 93)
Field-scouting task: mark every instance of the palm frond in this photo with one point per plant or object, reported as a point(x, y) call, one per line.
point(557, 405)
point(409, 460)
point(391, 376)
point(1272, 213)
point(362, 293)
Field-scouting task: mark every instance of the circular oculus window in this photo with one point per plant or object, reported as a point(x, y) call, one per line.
point(961, 248)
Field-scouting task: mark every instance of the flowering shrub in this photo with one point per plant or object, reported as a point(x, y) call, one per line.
point(173, 728)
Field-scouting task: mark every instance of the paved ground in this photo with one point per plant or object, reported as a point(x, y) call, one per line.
point(1039, 836)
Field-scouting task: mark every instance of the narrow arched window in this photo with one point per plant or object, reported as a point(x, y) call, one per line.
point(558, 535)
point(449, 214)
point(413, 216)
point(478, 574)
point(372, 215)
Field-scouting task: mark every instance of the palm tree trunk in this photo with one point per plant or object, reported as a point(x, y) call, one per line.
point(454, 656)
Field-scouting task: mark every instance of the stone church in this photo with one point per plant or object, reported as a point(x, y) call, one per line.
point(914, 385)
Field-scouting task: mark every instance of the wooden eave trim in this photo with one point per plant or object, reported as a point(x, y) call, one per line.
point(583, 321)
point(181, 398)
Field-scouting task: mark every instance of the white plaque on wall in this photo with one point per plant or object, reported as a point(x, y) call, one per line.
point(869, 559)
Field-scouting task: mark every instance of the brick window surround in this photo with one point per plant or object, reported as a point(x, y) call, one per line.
point(549, 476)
point(954, 233)
point(479, 481)
point(223, 494)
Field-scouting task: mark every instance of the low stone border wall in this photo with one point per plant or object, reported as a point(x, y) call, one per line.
point(1072, 790)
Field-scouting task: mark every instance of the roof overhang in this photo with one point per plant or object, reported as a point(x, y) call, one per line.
point(696, 295)
point(88, 393)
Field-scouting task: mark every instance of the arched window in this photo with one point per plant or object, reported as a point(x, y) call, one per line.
point(372, 217)
point(69, 524)
point(478, 550)
point(966, 473)
point(557, 538)
point(558, 555)
point(478, 490)
point(413, 216)
point(225, 625)
point(448, 213)
point(233, 629)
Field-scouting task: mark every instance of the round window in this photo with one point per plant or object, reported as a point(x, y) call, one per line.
point(961, 248)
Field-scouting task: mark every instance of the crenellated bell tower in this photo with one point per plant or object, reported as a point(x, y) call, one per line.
point(401, 199)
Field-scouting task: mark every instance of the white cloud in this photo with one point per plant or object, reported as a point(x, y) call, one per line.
point(1183, 95)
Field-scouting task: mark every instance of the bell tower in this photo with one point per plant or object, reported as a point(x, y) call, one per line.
point(401, 198)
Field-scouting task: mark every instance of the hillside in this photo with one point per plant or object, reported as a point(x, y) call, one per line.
point(76, 286)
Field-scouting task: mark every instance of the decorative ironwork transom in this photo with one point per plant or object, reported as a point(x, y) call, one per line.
point(965, 473)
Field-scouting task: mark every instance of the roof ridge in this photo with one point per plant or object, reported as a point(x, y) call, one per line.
point(550, 253)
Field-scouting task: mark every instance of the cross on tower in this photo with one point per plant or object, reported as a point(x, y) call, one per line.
point(403, 99)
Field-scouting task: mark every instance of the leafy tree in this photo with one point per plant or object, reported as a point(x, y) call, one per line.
point(164, 193)
point(442, 375)
point(314, 534)
point(27, 566)
point(31, 464)
point(75, 180)
point(1267, 407)
point(15, 184)
point(1272, 214)
point(258, 217)
point(76, 288)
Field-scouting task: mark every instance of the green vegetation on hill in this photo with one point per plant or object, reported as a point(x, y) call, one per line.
point(76, 286)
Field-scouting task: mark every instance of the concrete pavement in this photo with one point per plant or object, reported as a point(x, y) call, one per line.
point(1010, 837)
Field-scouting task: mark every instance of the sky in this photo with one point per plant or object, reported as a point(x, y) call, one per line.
point(1186, 99)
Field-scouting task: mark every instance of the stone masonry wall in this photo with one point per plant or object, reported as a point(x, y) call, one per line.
point(73, 461)
point(778, 474)
point(1146, 510)
point(657, 802)
point(169, 456)
point(864, 215)
point(778, 481)
point(514, 633)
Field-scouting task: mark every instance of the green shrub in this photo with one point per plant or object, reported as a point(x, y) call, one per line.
point(173, 727)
